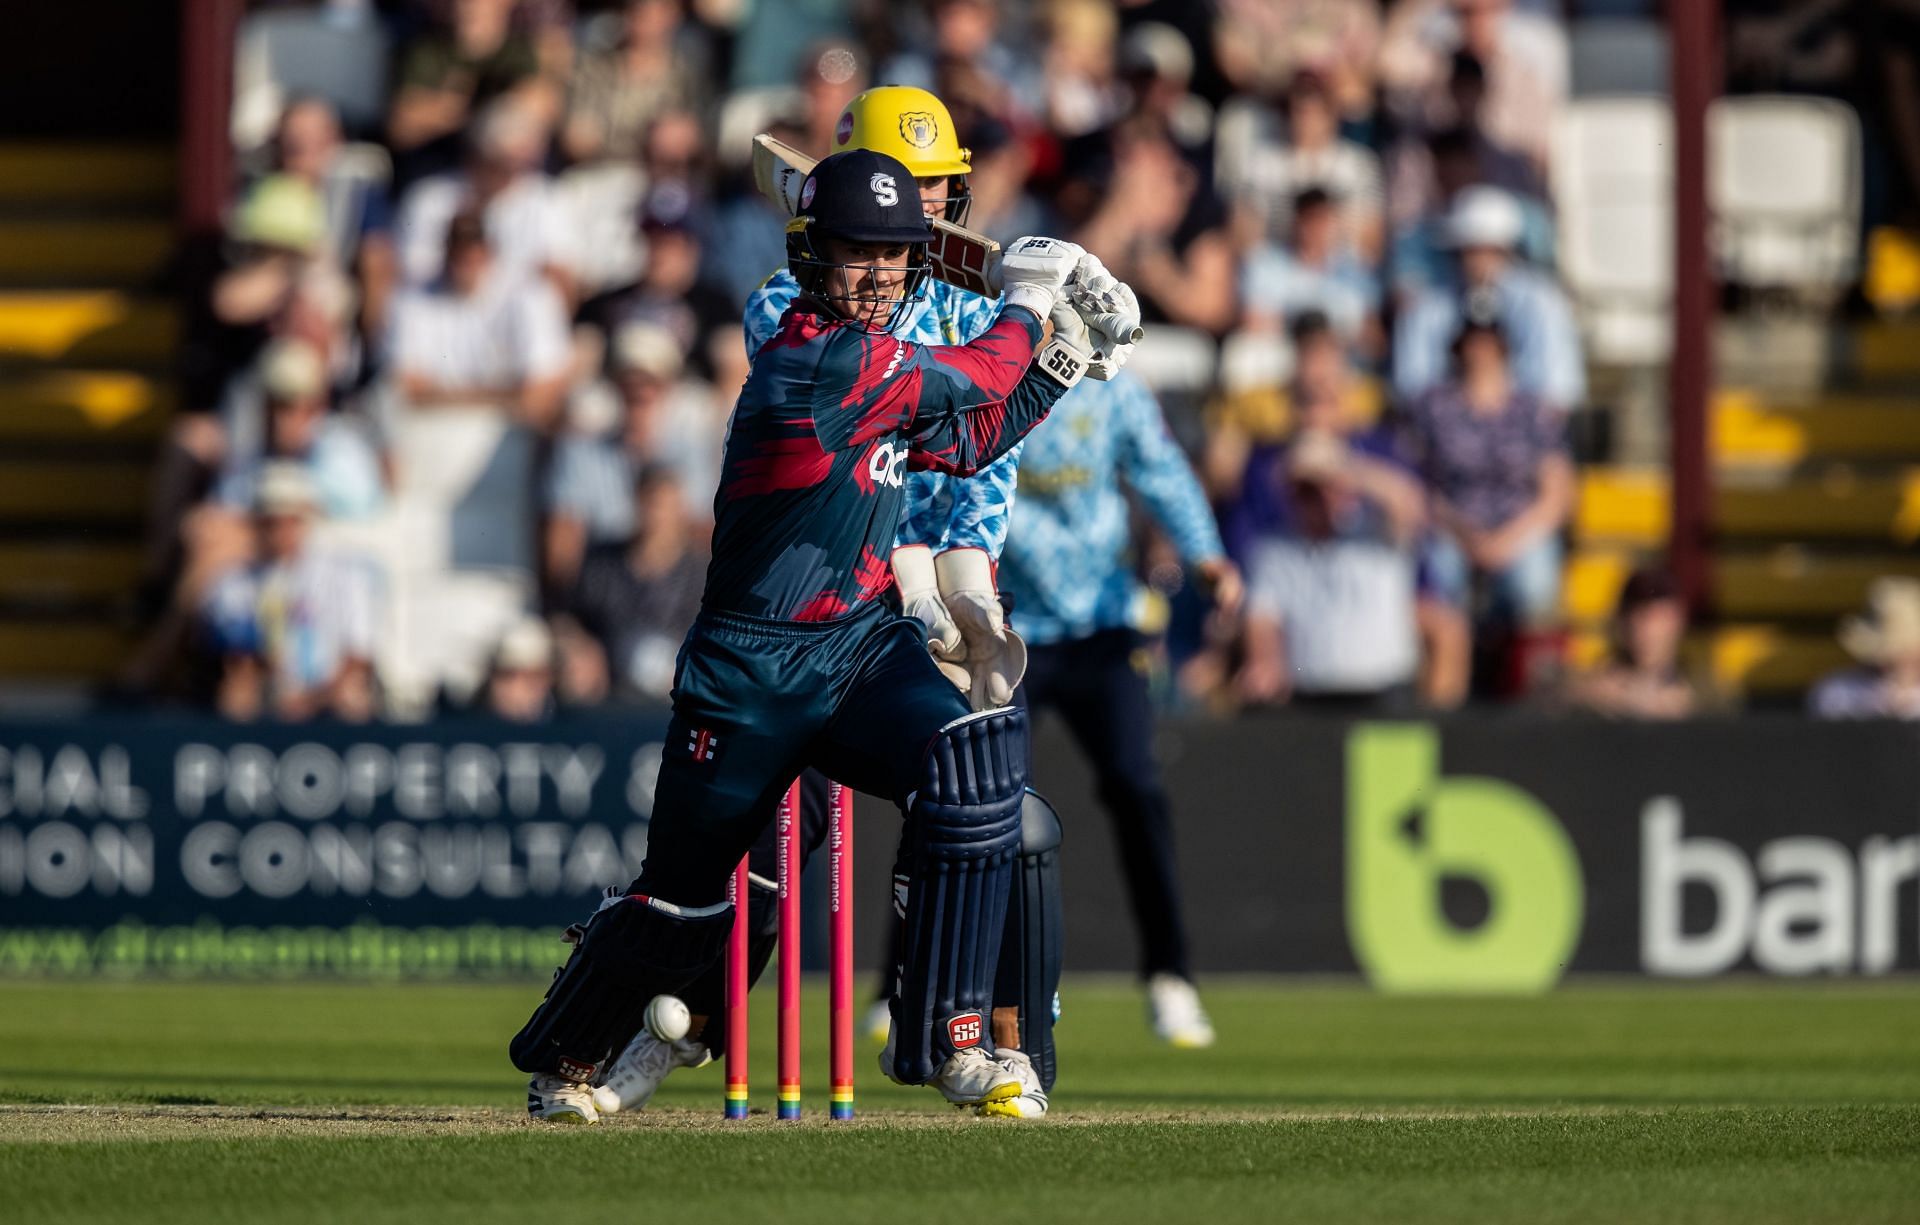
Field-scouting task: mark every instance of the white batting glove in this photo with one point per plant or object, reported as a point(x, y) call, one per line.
point(1070, 328)
point(1034, 270)
point(913, 572)
point(1112, 312)
point(996, 656)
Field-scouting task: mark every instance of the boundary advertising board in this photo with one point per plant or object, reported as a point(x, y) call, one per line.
point(1488, 854)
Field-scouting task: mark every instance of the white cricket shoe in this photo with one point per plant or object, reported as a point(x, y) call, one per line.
point(556, 1099)
point(631, 1080)
point(969, 1077)
point(1173, 1007)
point(972, 1078)
point(1031, 1102)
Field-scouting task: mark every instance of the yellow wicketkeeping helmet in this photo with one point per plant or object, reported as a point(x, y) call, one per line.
point(906, 123)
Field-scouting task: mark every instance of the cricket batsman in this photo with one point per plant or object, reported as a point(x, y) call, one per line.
point(797, 661)
point(952, 532)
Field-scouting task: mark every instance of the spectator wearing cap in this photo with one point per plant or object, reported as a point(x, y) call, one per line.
point(1499, 477)
point(1642, 677)
point(1156, 65)
point(502, 181)
point(287, 419)
point(662, 422)
point(1329, 611)
point(239, 291)
point(636, 598)
point(1315, 271)
point(453, 72)
point(359, 213)
point(266, 277)
point(661, 62)
point(295, 629)
point(520, 677)
point(1886, 642)
point(1263, 172)
point(1536, 320)
point(477, 338)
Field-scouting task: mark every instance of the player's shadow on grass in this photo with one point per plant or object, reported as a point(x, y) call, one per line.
point(152, 1086)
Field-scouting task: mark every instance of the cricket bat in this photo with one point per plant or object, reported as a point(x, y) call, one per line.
point(960, 257)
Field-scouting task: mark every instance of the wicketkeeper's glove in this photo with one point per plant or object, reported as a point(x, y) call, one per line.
point(913, 572)
point(996, 657)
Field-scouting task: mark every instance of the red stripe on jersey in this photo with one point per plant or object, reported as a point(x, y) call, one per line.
point(823, 607)
point(872, 575)
point(779, 463)
point(993, 361)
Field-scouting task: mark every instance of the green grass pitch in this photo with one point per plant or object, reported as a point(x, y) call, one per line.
point(1739, 1102)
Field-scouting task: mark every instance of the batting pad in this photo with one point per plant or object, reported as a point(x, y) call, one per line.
point(1032, 948)
point(965, 836)
point(633, 950)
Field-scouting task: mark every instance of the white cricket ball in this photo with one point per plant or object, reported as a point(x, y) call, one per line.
point(668, 1018)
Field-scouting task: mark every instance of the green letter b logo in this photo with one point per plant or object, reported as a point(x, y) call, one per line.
point(1409, 830)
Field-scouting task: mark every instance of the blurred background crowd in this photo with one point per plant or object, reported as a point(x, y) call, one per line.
point(453, 381)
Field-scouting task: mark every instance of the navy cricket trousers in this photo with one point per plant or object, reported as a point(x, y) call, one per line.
point(755, 702)
point(1100, 691)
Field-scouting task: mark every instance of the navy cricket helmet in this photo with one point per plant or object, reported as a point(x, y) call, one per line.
point(864, 197)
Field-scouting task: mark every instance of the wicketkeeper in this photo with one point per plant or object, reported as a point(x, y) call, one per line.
point(797, 661)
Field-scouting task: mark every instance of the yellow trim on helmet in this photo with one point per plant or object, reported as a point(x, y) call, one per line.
point(905, 123)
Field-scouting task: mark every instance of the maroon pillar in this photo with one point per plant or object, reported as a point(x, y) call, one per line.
point(1695, 32)
point(207, 30)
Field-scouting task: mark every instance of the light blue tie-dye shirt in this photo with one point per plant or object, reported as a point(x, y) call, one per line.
point(942, 512)
point(1068, 563)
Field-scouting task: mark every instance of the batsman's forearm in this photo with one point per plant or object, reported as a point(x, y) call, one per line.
point(983, 433)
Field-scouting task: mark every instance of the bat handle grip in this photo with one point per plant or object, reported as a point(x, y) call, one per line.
point(1113, 330)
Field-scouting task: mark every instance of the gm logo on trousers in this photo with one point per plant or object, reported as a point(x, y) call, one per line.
point(1410, 830)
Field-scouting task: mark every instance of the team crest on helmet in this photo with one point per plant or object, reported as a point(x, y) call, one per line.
point(843, 131)
point(806, 191)
point(920, 129)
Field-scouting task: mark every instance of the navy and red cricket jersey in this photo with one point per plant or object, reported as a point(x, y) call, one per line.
point(826, 426)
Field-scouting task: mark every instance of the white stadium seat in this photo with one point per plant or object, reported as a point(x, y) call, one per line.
point(342, 56)
point(1175, 361)
point(456, 546)
point(1784, 178)
point(1613, 180)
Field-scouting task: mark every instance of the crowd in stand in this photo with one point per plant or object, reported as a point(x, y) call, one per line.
point(552, 227)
